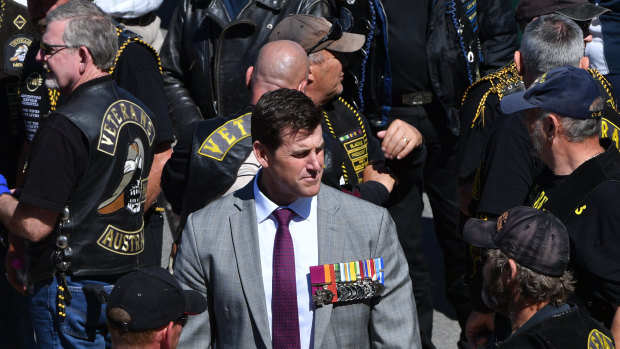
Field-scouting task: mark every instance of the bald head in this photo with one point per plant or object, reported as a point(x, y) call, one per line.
point(280, 64)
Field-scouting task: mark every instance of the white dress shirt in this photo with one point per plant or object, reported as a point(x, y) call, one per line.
point(303, 229)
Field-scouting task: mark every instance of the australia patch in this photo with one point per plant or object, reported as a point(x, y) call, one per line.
point(15, 52)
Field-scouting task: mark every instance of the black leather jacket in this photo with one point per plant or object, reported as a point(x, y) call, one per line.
point(206, 53)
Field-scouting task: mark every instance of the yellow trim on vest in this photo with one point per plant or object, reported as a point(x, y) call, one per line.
point(500, 80)
point(127, 42)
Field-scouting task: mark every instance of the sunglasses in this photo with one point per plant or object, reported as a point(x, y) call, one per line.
point(335, 33)
point(182, 320)
point(50, 50)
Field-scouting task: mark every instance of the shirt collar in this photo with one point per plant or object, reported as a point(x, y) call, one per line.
point(264, 206)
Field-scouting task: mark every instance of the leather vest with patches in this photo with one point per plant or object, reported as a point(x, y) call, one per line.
point(105, 226)
point(37, 101)
point(219, 148)
point(16, 35)
point(347, 127)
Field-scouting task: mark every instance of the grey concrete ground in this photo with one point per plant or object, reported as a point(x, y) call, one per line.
point(445, 328)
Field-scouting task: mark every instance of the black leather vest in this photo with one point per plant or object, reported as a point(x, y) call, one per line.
point(219, 148)
point(16, 35)
point(346, 126)
point(105, 226)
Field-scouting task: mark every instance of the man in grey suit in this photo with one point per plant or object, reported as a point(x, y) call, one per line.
point(252, 266)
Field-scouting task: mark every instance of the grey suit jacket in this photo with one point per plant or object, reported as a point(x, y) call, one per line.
point(219, 257)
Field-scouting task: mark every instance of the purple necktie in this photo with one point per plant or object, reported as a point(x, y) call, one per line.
point(284, 315)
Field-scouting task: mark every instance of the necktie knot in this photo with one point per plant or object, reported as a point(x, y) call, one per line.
point(283, 215)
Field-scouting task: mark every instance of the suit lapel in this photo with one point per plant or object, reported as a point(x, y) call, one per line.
point(331, 235)
point(245, 241)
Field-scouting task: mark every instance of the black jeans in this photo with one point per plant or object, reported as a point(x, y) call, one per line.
point(441, 186)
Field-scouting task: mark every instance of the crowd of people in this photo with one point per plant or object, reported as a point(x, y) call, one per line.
point(293, 141)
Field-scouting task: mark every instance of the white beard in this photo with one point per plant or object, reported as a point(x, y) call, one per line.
point(52, 84)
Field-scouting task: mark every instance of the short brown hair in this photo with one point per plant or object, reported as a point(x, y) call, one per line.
point(281, 109)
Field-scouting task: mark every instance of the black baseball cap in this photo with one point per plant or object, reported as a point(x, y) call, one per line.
point(577, 10)
point(567, 91)
point(535, 239)
point(153, 298)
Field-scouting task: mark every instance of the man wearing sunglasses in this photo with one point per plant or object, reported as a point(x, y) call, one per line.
point(136, 70)
point(148, 309)
point(82, 204)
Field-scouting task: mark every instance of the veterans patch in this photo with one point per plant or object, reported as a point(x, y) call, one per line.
point(122, 242)
point(15, 52)
point(225, 137)
point(119, 114)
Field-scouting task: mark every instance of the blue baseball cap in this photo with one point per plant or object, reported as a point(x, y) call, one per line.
point(567, 91)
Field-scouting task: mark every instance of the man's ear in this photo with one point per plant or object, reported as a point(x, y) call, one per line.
point(167, 334)
point(85, 58)
point(311, 74)
point(248, 76)
point(551, 125)
point(262, 153)
point(519, 63)
point(302, 86)
point(512, 276)
point(584, 62)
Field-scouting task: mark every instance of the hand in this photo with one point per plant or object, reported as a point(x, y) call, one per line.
point(372, 174)
point(478, 327)
point(399, 139)
point(14, 253)
point(4, 188)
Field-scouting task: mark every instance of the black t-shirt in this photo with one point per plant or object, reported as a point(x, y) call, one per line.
point(58, 159)
point(475, 134)
point(407, 45)
point(137, 72)
point(592, 227)
point(509, 167)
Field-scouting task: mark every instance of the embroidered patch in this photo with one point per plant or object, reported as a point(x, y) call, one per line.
point(219, 142)
point(20, 22)
point(356, 146)
point(130, 193)
point(15, 52)
point(598, 340)
point(34, 81)
point(119, 114)
point(122, 242)
point(610, 130)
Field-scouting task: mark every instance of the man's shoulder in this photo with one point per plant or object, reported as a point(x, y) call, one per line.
point(215, 139)
point(568, 329)
point(330, 197)
point(488, 91)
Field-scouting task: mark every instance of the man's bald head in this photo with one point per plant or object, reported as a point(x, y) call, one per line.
point(280, 64)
